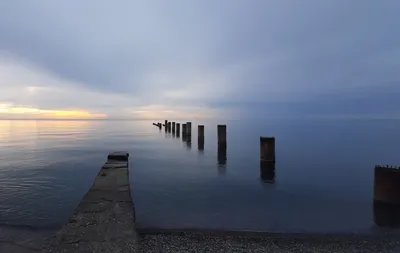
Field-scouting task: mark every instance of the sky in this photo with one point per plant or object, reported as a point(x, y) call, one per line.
point(159, 59)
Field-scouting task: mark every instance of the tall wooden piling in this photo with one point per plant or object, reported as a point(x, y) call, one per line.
point(386, 196)
point(200, 131)
point(267, 149)
point(200, 138)
point(169, 126)
point(189, 128)
point(173, 127)
point(178, 129)
point(221, 134)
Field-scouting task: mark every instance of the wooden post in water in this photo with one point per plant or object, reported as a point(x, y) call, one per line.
point(387, 196)
point(169, 126)
point(200, 131)
point(183, 129)
point(221, 134)
point(166, 125)
point(173, 127)
point(200, 139)
point(189, 128)
point(267, 149)
point(178, 129)
point(222, 146)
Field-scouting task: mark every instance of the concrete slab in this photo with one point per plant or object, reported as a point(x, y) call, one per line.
point(104, 220)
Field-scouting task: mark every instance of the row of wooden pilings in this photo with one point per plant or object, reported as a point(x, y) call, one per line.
point(267, 144)
point(386, 200)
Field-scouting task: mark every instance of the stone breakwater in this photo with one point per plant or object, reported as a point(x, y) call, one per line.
point(104, 219)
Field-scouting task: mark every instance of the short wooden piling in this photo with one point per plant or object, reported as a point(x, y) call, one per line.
point(189, 128)
point(178, 129)
point(221, 134)
point(169, 126)
point(267, 149)
point(386, 196)
point(173, 127)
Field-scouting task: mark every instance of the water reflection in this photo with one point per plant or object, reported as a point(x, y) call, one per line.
point(267, 172)
point(222, 157)
point(188, 142)
point(200, 144)
point(386, 214)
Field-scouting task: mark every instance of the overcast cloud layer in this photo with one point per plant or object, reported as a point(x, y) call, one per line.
point(158, 58)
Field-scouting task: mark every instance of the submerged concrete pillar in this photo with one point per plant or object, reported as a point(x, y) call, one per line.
point(267, 149)
point(178, 129)
point(221, 129)
point(189, 128)
point(173, 127)
point(387, 196)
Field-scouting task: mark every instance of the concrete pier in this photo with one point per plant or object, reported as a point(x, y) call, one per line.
point(173, 127)
point(386, 196)
point(104, 220)
point(178, 129)
point(189, 128)
point(221, 129)
point(267, 149)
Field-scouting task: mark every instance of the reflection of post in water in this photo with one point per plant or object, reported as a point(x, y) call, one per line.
point(267, 172)
point(188, 141)
point(222, 153)
point(387, 196)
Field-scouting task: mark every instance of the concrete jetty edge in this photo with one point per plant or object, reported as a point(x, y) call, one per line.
point(104, 221)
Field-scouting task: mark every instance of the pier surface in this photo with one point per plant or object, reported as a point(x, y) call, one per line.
point(104, 219)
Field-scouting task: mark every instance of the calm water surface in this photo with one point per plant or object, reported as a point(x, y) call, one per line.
point(323, 181)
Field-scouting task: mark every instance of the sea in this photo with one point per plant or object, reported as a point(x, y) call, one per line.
point(322, 182)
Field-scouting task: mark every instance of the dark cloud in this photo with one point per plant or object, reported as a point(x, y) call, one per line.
point(277, 54)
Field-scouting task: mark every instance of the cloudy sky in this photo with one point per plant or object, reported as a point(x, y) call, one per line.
point(180, 58)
